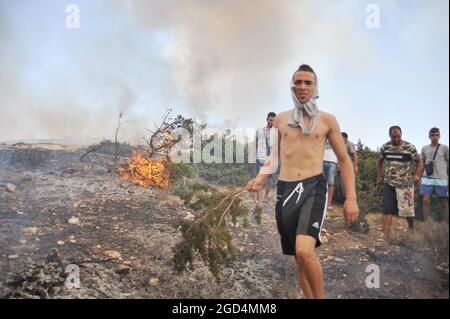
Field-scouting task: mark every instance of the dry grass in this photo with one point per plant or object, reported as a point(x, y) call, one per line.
point(426, 235)
point(430, 235)
point(50, 146)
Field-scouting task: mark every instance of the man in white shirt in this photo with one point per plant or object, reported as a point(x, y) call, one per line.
point(435, 181)
point(329, 171)
point(263, 148)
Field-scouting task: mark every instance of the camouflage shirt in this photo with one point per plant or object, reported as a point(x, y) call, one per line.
point(397, 163)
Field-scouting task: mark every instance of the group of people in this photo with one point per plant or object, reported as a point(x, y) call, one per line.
point(309, 149)
point(397, 178)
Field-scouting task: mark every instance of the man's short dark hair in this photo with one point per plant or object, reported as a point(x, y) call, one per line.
point(271, 114)
point(394, 127)
point(307, 68)
point(344, 135)
point(434, 130)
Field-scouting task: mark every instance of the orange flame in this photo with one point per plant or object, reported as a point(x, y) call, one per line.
point(146, 171)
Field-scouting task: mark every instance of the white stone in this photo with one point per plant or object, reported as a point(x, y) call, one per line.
point(113, 254)
point(30, 230)
point(153, 282)
point(11, 187)
point(74, 220)
point(189, 216)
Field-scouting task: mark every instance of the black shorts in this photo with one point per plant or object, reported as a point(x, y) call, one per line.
point(390, 204)
point(300, 210)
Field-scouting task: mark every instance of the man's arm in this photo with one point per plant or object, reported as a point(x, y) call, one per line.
point(380, 170)
point(419, 171)
point(423, 168)
point(424, 158)
point(337, 144)
point(419, 164)
point(354, 156)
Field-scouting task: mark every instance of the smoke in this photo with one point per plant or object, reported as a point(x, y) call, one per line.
point(77, 104)
point(228, 58)
point(228, 62)
point(225, 55)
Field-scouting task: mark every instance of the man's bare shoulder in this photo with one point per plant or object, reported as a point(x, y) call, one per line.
point(328, 117)
point(284, 114)
point(282, 117)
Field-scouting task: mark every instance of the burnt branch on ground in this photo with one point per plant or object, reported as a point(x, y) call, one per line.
point(367, 202)
point(116, 142)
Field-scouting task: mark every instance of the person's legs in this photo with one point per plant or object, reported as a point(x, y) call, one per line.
point(338, 188)
point(299, 220)
point(331, 180)
point(330, 196)
point(387, 222)
point(410, 221)
point(259, 195)
point(426, 191)
point(303, 281)
point(310, 271)
point(444, 208)
point(426, 199)
point(442, 193)
point(389, 208)
point(405, 204)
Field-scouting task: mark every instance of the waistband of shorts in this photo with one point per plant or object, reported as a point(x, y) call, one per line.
point(305, 181)
point(434, 181)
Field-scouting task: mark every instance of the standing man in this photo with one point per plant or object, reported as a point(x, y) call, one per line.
point(398, 188)
point(435, 156)
point(263, 149)
point(351, 150)
point(301, 188)
point(329, 171)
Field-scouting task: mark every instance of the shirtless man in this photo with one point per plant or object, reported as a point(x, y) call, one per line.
point(301, 188)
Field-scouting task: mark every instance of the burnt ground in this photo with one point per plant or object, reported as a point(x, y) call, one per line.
point(66, 212)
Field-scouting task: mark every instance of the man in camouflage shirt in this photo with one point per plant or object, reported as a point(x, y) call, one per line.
point(398, 189)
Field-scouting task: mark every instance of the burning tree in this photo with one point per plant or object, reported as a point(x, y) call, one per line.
point(145, 171)
point(208, 234)
point(150, 166)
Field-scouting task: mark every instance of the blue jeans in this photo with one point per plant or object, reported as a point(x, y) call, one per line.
point(329, 172)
